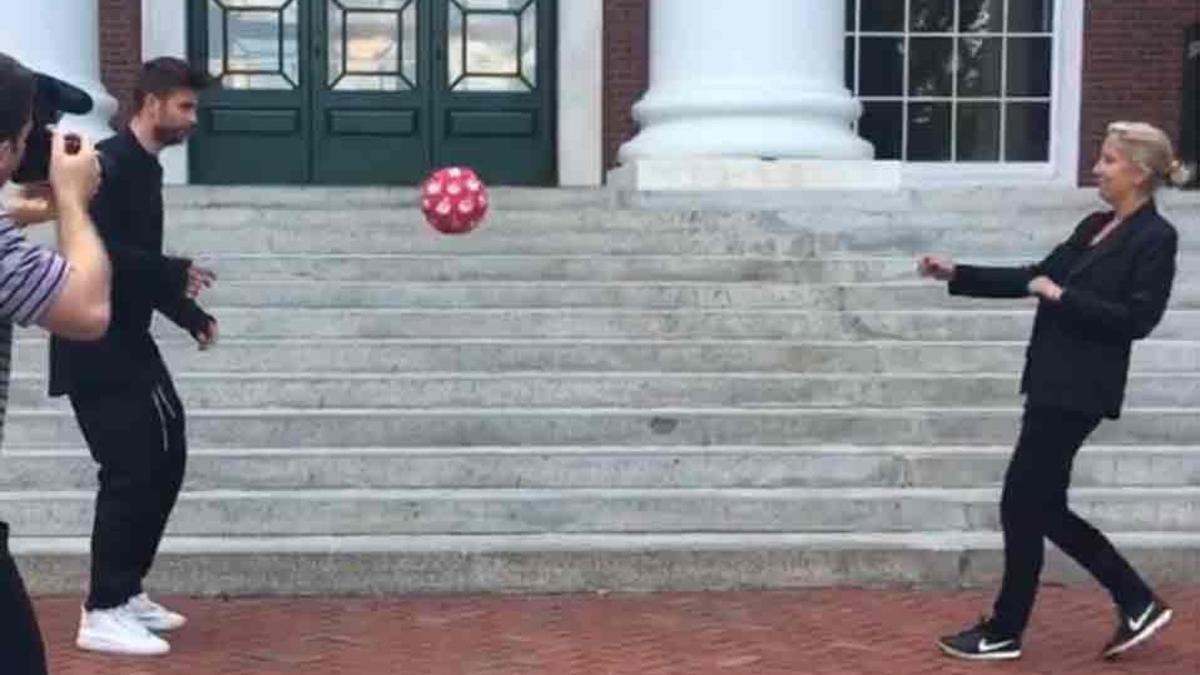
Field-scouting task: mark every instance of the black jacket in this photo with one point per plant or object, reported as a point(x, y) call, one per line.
point(1113, 294)
point(128, 211)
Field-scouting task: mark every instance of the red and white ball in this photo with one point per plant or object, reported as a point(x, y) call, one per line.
point(454, 200)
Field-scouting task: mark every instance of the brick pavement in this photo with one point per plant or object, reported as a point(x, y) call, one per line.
point(820, 631)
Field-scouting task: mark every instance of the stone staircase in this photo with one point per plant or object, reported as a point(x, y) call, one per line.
point(597, 391)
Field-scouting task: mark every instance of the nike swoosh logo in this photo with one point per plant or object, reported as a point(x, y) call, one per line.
point(1137, 625)
point(985, 646)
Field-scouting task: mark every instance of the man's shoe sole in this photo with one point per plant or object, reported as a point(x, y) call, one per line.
point(1162, 620)
point(106, 647)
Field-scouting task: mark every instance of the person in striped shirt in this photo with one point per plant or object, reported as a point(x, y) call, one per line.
point(65, 292)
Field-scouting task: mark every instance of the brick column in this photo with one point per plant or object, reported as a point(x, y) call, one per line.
point(626, 69)
point(121, 48)
point(1132, 68)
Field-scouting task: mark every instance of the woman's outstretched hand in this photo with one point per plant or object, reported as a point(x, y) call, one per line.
point(936, 267)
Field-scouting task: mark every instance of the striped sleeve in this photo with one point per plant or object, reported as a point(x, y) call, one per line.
point(31, 276)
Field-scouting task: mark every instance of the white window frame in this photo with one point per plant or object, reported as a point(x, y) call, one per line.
point(1065, 117)
point(580, 84)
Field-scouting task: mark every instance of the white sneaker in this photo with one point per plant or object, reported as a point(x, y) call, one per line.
point(153, 615)
point(117, 631)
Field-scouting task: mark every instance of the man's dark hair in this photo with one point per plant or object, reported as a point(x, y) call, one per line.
point(16, 97)
point(166, 75)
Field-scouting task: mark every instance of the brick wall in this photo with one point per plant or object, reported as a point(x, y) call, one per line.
point(121, 48)
point(1132, 67)
point(626, 74)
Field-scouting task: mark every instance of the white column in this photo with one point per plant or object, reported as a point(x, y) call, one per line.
point(580, 92)
point(758, 79)
point(164, 33)
point(61, 38)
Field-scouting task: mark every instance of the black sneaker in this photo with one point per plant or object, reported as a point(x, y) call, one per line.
point(982, 643)
point(1133, 629)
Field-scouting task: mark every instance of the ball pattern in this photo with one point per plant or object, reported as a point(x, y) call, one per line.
point(454, 200)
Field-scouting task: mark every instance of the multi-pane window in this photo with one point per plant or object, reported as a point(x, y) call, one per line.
point(953, 80)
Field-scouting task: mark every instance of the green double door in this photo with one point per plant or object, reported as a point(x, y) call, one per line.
point(374, 91)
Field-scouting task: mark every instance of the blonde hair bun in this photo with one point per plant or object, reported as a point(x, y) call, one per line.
point(1151, 148)
point(1180, 174)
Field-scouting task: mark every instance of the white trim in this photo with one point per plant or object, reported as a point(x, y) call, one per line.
point(954, 85)
point(904, 86)
point(1004, 43)
point(580, 87)
point(164, 33)
point(580, 92)
point(164, 29)
point(1066, 112)
point(1068, 104)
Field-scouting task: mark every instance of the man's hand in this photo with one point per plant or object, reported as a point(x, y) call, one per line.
point(936, 267)
point(199, 279)
point(83, 308)
point(34, 204)
point(74, 178)
point(207, 336)
point(1045, 288)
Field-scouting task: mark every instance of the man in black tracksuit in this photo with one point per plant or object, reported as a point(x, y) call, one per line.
point(119, 387)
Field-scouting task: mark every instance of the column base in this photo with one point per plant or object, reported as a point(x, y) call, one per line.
point(805, 127)
point(702, 174)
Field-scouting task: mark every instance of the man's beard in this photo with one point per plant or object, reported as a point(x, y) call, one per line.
point(169, 136)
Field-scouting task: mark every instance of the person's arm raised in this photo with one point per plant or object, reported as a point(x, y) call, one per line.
point(81, 309)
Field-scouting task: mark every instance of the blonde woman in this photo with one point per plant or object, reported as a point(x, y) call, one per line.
point(1101, 289)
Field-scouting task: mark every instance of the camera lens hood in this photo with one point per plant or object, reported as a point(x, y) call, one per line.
point(61, 96)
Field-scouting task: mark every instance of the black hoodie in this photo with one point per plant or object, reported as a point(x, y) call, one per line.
point(128, 211)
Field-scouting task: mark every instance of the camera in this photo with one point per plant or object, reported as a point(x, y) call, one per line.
point(51, 100)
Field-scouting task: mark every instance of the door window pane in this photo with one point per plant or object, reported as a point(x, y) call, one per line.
point(1028, 67)
point(882, 66)
point(930, 16)
point(928, 132)
point(978, 132)
point(981, 16)
point(1027, 137)
point(254, 44)
point(372, 45)
point(882, 16)
point(1030, 16)
point(979, 67)
point(492, 45)
point(882, 124)
point(931, 67)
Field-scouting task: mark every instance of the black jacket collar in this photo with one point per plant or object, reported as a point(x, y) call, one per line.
point(1115, 241)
